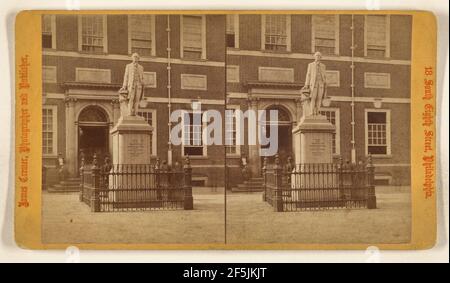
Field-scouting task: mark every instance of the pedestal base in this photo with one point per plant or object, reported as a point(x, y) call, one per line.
point(131, 140)
point(313, 139)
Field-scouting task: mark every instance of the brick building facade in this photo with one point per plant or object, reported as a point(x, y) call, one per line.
point(84, 58)
point(238, 61)
point(368, 60)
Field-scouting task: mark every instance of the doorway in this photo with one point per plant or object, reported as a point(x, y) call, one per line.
point(284, 136)
point(93, 135)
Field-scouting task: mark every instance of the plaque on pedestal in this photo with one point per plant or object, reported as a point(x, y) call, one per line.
point(313, 139)
point(131, 140)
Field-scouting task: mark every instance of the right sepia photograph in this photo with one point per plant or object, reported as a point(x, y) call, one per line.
point(317, 128)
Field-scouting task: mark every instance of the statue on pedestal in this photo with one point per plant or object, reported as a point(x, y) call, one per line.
point(315, 89)
point(132, 89)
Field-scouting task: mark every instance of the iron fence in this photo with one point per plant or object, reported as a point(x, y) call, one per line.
point(319, 186)
point(132, 187)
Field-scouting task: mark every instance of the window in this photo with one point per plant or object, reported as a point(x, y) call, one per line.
point(48, 31)
point(193, 37)
point(232, 31)
point(333, 118)
point(49, 126)
point(276, 32)
point(325, 38)
point(141, 35)
point(192, 135)
point(377, 36)
point(93, 33)
point(378, 132)
point(150, 116)
point(231, 130)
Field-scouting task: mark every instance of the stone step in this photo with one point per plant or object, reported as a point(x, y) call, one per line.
point(55, 189)
point(66, 186)
point(254, 180)
point(253, 183)
point(69, 183)
point(247, 189)
point(250, 185)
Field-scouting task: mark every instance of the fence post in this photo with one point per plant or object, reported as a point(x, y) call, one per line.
point(158, 179)
point(157, 167)
point(278, 203)
point(82, 179)
point(341, 178)
point(371, 197)
point(264, 169)
point(188, 199)
point(95, 197)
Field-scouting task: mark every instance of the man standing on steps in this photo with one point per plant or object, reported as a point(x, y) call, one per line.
point(316, 83)
point(133, 84)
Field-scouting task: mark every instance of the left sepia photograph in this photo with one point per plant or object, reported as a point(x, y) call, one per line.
point(123, 158)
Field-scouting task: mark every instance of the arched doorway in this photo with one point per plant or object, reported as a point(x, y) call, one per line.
point(284, 124)
point(93, 134)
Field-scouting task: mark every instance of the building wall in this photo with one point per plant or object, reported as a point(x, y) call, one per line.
point(249, 57)
point(396, 98)
point(66, 58)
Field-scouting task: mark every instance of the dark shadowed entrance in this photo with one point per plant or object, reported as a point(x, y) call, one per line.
point(93, 134)
point(284, 136)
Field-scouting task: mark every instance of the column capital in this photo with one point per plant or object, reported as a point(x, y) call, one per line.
point(70, 101)
point(253, 102)
point(115, 103)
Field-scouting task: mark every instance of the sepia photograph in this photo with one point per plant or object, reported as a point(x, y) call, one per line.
point(341, 87)
point(232, 129)
point(111, 173)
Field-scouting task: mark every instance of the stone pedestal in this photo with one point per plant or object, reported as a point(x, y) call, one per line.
point(131, 141)
point(313, 138)
point(131, 146)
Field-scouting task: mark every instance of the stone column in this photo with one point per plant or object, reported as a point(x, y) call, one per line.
point(71, 132)
point(254, 159)
point(115, 111)
point(298, 110)
point(296, 138)
point(115, 118)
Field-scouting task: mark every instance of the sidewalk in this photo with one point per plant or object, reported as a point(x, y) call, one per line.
point(67, 220)
point(250, 220)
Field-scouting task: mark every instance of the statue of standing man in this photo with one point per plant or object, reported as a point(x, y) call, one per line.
point(316, 84)
point(133, 87)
